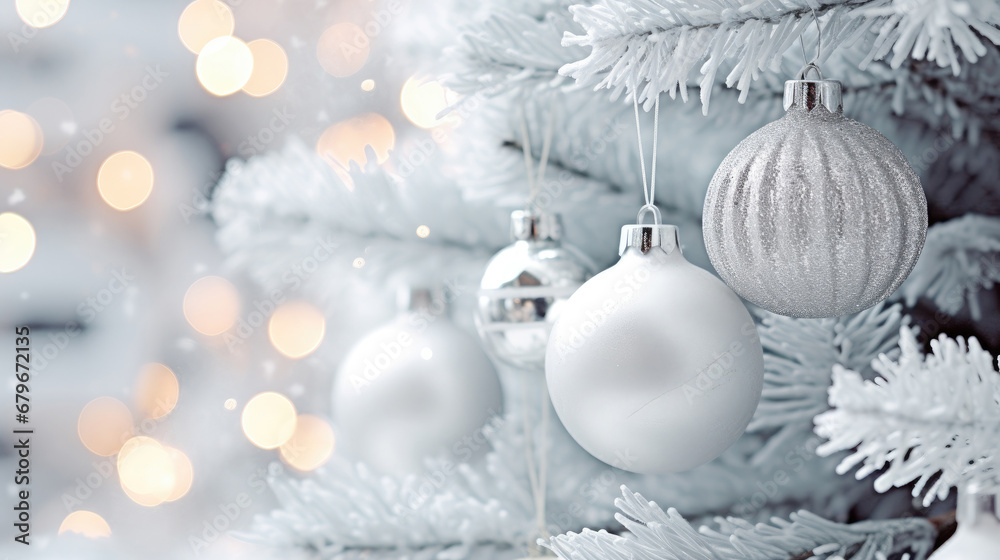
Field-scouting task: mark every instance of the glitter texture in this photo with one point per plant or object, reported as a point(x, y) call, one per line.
point(815, 215)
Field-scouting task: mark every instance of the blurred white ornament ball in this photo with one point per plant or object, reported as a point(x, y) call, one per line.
point(416, 388)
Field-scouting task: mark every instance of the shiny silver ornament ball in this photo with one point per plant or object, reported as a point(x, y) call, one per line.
point(815, 214)
point(524, 287)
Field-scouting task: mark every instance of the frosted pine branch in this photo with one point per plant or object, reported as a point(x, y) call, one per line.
point(932, 419)
point(648, 47)
point(799, 357)
point(510, 49)
point(960, 258)
point(660, 535)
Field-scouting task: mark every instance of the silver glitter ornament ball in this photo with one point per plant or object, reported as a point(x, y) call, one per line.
point(815, 214)
point(524, 287)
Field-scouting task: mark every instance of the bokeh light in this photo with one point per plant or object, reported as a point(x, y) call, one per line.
point(423, 101)
point(212, 305)
point(151, 473)
point(296, 329)
point(269, 420)
point(359, 262)
point(41, 13)
point(343, 49)
point(86, 523)
point(204, 20)
point(270, 68)
point(311, 445)
point(147, 469)
point(224, 65)
point(183, 474)
point(125, 180)
point(367, 85)
point(104, 425)
point(157, 390)
point(21, 139)
point(345, 141)
point(423, 231)
point(17, 242)
point(230, 404)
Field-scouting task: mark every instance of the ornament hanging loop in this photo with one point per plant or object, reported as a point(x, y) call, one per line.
point(649, 208)
point(803, 74)
point(648, 186)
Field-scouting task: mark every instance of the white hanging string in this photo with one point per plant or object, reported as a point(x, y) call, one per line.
point(648, 187)
point(537, 468)
point(814, 63)
point(526, 146)
point(535, 178)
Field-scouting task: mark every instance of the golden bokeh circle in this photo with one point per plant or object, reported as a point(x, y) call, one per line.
point(125, 180)
point(157, 390)
point(21, 139)
point(269, 420)
point(270, 68)
point(104, 425)
point(212, 305)
point(204, 20)
point(224, 66)
point(86, 523)
point(41, 13)
point(17, 242)
point(343, 49)
point(311, 445)
point(296, 329)
point(345, 141)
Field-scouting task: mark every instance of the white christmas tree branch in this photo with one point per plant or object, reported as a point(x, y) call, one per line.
point(510, 49)
point(668, 536)
point(799, 357)
point(960, 258)
point(648, 47)
point(933, 419)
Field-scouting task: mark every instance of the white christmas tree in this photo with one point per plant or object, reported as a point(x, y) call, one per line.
point(916, 69)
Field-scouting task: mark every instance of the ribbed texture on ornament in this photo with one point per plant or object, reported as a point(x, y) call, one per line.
point(815, 215)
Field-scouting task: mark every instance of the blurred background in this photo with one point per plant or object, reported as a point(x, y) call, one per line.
point(114, 133)
point(189, 289)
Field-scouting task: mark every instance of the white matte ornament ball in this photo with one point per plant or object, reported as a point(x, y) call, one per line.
point(815, 214)
point(978, 533)
point(416, 388)
point(654, 365)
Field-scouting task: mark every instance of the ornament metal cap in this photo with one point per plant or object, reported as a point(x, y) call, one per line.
point(646, 237)
point(810, 94)
point(526, 225)
point(420, 298)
